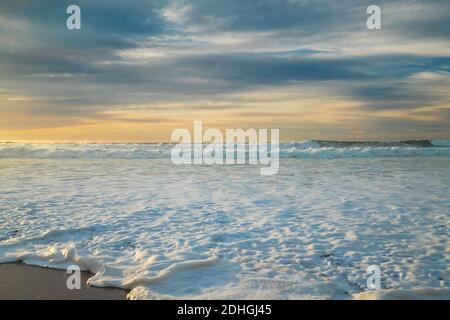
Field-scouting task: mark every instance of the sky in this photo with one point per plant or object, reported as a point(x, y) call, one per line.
point(137, 70)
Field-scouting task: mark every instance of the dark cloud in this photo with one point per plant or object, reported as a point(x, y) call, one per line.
point(416, 18)
point(137, 17)
point(254, 69)
point(376, 79)
point(393, 97)
point(83, 73)
point(239, 15)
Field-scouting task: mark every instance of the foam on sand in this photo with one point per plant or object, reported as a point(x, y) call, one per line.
point(165, 231)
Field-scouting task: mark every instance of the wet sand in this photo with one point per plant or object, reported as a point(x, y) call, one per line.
point(22, 282)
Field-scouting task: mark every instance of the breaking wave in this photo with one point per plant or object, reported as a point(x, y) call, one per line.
point(309, 149)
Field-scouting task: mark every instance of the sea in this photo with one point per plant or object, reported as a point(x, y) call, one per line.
point(335, 212)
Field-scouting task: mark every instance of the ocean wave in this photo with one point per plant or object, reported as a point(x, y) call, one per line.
point(309, 149)
point(440, 143)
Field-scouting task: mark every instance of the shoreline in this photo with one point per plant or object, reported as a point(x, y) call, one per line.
point(19, 281)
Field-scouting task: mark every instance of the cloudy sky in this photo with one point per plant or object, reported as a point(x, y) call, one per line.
point(139, 69)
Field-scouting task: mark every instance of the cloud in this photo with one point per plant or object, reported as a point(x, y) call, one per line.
point(178, 53)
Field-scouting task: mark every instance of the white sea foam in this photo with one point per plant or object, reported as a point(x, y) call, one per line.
point(167, 231)
point(305, 150)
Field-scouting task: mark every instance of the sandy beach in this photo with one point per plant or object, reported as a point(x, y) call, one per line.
point(23, 282)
